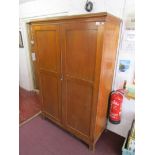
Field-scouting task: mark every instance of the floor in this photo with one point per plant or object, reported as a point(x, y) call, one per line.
point(41, 137)
point(29, 105)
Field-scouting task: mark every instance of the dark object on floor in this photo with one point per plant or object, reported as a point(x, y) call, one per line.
point(29, 104)
point(41, 137)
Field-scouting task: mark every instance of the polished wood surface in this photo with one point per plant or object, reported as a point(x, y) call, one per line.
point(104, 16)
point(76, 59)
point(110, 43)
point(79, 45)
point(49, 61)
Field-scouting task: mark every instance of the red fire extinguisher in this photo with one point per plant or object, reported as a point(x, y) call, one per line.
point(116, 100)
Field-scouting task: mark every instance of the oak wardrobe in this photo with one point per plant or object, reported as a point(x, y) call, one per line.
point(75, 61)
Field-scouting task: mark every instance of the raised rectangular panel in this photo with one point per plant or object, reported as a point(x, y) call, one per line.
point(81, 53)
point(51, 95)
point(47, 47)
point(78, 103)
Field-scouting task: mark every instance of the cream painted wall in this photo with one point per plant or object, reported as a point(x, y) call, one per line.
point(25, 72)
point(37, 8)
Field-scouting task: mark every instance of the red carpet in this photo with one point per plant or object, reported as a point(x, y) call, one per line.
point(29, 104)
point(41, 137)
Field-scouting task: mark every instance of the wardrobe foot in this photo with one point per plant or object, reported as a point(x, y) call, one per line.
point(92, 147)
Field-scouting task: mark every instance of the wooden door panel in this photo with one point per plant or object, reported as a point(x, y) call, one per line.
point(48, 55)
point(80, 50)
point(79, 61)
point(48, 47)
point(51, 97)
point(78, 103)
point(80, 55)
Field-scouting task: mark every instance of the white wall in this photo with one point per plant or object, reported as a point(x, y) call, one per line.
point(115, 7)
point(48, 8)
point(23, 70)
point(25, 75)
point(33, 9)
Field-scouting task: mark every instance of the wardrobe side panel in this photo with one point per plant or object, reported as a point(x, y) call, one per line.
point(110, 44)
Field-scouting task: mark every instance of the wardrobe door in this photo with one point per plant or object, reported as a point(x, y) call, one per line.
point(49, 59)
point(79, 59)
